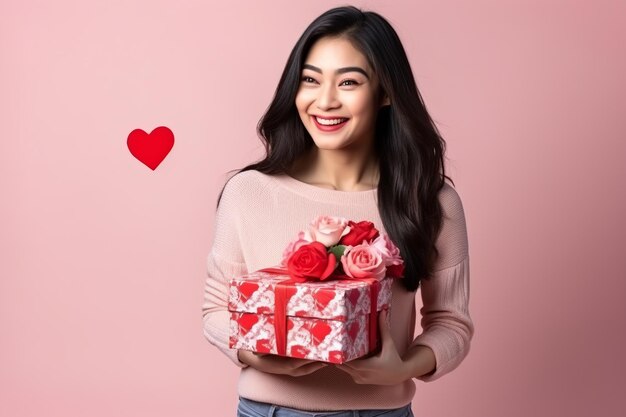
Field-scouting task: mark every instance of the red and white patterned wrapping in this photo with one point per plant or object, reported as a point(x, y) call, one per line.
point(325, 320)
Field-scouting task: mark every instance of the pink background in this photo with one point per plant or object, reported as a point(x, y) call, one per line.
point(103, 260)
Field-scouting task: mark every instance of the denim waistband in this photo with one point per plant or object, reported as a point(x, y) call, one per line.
point(252, 408)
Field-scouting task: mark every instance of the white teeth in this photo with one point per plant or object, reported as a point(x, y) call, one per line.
point(329, 122)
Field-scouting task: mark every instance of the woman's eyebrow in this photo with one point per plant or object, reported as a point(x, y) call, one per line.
point(338, 71)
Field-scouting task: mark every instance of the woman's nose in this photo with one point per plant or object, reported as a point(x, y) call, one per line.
point(327, 97)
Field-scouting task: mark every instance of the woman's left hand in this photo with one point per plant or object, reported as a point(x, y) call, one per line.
point(384, 368)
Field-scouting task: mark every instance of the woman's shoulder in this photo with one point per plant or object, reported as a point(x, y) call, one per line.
point(247, 184)
point(452, 240)
point(243, 177)
point(450, 199)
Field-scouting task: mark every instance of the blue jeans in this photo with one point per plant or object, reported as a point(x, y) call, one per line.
point(251, 408)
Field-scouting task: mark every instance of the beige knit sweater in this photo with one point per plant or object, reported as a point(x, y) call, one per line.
point(260, 214)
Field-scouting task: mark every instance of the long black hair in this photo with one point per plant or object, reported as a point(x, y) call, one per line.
point(409, 147)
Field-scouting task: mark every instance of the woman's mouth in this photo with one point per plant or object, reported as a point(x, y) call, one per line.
point(329, 125)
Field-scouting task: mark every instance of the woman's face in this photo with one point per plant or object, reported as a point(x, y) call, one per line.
point(337, 83)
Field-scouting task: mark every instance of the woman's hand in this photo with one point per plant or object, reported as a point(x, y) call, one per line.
point(385, 368)
point(276, 364)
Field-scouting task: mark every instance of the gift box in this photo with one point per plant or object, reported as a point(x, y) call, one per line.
point(332, 321)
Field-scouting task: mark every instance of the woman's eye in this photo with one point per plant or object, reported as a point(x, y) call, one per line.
point(308, 79)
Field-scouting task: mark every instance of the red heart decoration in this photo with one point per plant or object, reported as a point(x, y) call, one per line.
point(263, 346)
point(353, 297)
point(263, 310)
point(353, 330)
point(298, 351)
point(319, 331)
point(246, 289)
point(323, 297)
point(151, 149)
point(335, 356)
point(246, 321)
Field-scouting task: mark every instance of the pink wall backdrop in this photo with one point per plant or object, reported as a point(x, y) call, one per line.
point(102, 259)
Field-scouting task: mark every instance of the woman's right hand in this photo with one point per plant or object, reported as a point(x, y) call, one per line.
point(276, 364)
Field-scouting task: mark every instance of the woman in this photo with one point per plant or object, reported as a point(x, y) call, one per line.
point(347, 134)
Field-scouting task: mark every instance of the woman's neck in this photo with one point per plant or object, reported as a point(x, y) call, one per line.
point(337, 170)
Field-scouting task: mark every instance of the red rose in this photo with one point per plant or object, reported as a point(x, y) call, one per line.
point(360, 231)
point(311, 262)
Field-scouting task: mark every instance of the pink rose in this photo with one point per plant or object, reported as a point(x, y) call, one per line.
point(389, 251)
point(293, 246)
point(391, 256)
point(327, 230)
point(363, 261)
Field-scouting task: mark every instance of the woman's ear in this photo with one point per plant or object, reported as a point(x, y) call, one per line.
point(382, 98)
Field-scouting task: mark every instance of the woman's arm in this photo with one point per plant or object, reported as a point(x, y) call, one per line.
point(419, 360)
point(446, 322)
point(447, 326)
point(276, 364)
point(224, 261)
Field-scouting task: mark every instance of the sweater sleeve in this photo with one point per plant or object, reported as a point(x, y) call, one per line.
point(446, 322)
point(224, 261)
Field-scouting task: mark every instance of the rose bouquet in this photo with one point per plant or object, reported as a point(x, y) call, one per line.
point(335, 246)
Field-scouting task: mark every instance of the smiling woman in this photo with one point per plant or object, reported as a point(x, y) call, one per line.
point(339, 94)
point(347, 134)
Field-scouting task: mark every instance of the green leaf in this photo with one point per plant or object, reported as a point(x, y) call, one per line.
point(338, 251)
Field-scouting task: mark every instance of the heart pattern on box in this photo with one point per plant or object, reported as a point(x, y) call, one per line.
point(341, 301)
point(246, 289)
point(246, 321)
point(319, 331)
point(353, 297)
point(326, 322)
point(323, 297)
point(353, 330)
point(299, 351)
point(335, 356)
point(263, 346)
point(312, 340)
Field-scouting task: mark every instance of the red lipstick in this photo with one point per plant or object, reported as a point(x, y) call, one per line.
point(330, 128)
